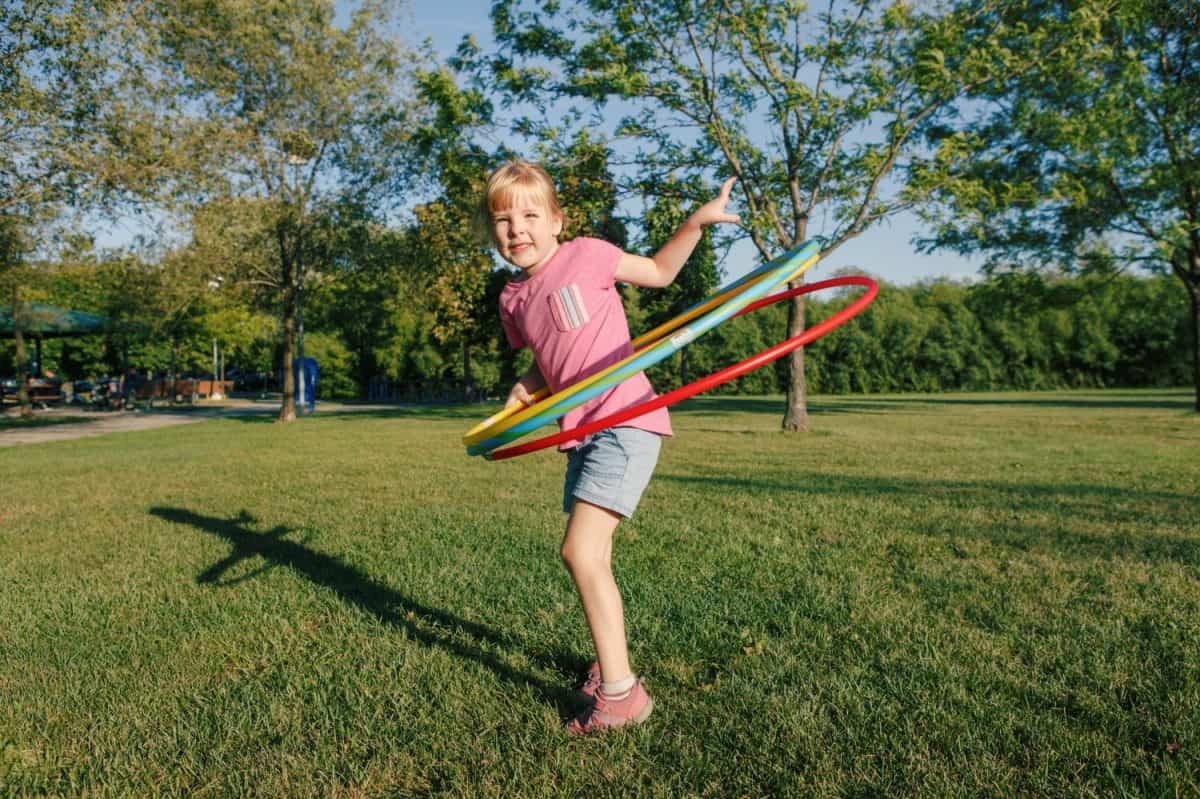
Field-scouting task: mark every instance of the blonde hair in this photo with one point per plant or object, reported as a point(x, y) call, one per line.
point(511, 180)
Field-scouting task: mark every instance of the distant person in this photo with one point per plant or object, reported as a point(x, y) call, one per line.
point(133, 384)
point(565, 307)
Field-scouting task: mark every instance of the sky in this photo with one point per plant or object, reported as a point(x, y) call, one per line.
point(884, 251)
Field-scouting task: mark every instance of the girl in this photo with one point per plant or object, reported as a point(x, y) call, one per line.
point(565, 306)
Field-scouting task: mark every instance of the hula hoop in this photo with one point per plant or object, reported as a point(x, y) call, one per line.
point(498, 430)
point(768, 355)
point(516, 421)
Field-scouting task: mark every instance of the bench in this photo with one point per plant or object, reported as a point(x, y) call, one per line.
point(45, 395)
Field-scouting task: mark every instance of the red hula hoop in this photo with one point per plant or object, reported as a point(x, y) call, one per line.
point(763, 358)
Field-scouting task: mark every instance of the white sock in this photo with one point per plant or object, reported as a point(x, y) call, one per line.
point(619, 689)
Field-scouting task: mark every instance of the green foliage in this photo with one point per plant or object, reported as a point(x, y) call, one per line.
point(827, 114)
point(586, 186)
point(1093, 144)
point(1016, 331)
point(410, 354)
point(246, 338)
point(446, 252)
point(1091, 156)
point(275, 108)
point(336, 364)
point(55, 72)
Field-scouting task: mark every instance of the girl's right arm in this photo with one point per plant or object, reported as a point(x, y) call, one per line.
point(661, 270)
point(522, 393)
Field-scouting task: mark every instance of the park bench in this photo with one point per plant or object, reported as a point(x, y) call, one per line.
point(183, 390)
point(45, 395)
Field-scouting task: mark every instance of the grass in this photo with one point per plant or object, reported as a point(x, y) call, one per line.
point(961, 595)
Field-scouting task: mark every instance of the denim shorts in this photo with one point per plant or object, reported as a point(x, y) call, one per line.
point(611, 469)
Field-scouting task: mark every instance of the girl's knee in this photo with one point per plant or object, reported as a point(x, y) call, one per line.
point(583, 560)
point(572, 555)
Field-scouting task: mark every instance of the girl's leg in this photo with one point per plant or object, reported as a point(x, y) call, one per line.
point(587, 553)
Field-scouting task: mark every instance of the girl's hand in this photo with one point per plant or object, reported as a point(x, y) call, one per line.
point(713, 211)
point(518, 396)
point(529, 384)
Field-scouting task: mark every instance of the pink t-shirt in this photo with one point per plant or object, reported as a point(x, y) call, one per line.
point(570, 315)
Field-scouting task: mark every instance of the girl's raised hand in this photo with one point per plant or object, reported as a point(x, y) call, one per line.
point(713, 211)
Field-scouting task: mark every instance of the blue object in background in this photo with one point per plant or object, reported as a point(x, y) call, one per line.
point(304, 376)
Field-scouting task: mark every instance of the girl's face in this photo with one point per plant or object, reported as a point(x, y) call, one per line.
point(526, 232)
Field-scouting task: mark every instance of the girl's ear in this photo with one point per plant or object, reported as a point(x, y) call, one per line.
point(558, 225)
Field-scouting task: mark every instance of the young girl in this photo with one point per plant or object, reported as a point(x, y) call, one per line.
point(565, 306)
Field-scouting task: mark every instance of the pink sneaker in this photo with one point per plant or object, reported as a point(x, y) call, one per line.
point(591, 683)
point(608, 714)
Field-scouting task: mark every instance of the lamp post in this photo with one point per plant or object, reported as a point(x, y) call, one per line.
point(299, 150)
point(214, 391)
point(300, 373)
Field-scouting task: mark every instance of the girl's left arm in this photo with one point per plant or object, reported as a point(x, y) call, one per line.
point(661, 270)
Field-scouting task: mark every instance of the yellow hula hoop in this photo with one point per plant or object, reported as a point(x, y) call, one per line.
point(508, 418)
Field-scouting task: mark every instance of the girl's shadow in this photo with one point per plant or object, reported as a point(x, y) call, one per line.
point(430, 626)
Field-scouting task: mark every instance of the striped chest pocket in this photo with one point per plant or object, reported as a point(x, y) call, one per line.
point(567, 308)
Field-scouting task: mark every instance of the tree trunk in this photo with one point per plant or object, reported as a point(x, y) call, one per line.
point(366, 365)
point(1191, 279)
point(287, 410)
point(796, 418)
point(19, 337)
point(468, 381)
point(291, 297)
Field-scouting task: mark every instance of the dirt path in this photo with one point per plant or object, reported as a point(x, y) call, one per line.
point(79, 423)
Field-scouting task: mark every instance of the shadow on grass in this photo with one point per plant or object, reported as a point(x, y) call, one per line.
point(38, 422)
point(430, 626)
point(1111, 400)
point(1178, 400)
point(1009, 505)
point(470, 414)
point(1146, 400)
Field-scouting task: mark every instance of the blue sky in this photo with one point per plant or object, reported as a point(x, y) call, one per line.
point(885, 251)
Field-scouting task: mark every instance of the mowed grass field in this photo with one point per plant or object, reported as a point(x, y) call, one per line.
point(955, 595)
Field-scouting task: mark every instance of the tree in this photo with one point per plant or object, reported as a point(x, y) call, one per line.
point(370, 272)
point(454, 261)
point(451, 259)
point(821, 114)
point(1093, 160)
point(10, 263)
point(54, 68)
point(274, 104)
point(54, 74)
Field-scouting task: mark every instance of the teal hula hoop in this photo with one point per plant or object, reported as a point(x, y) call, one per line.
point(778, 271)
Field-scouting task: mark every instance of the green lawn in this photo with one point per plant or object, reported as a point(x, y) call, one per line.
point(957, 595)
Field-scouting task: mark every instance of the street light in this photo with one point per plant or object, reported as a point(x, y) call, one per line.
point(298, 151)
point(215, 391)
